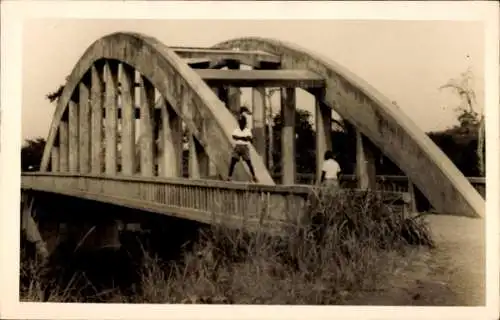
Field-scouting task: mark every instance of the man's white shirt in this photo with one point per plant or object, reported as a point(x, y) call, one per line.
point(245, 133)
point(331, 169)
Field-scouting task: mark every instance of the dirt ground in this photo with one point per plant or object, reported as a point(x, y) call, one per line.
point(452, 274)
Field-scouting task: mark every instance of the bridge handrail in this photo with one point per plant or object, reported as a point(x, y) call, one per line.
point(205, 201)
point(396, 178)
point(297, 189)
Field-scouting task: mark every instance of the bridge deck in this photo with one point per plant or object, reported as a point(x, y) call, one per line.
point(262, 78)
point(206, 201)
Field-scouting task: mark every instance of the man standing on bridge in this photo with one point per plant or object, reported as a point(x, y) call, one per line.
point(242, 137)
point(330, 171)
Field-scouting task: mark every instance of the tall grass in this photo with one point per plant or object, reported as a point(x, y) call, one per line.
point(350, 245)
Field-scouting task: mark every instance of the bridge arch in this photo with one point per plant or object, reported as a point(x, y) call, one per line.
point(377, 118)
point(191, 98)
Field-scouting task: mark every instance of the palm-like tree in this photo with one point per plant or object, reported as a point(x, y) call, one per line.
point(464, 87)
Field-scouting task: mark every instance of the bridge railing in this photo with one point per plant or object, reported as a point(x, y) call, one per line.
point(393, 183)
point(206, 201)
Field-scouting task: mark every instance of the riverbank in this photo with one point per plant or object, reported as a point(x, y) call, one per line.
point(355, 249)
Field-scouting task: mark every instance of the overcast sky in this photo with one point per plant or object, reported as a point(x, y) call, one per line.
point(406, 61)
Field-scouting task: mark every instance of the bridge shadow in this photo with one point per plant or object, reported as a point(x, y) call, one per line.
point(92, 272)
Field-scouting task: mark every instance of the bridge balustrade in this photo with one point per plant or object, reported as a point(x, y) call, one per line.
point(206, 201)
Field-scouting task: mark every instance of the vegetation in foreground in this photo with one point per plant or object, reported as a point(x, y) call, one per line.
point(351, 245)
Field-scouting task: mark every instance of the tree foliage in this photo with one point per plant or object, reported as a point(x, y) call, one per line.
point(466, 138)
point(32, 153)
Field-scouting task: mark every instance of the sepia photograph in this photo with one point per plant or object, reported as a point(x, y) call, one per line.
point(245, 161)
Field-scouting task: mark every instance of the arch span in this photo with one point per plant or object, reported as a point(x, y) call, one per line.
point(383, 123)
point(197, 105)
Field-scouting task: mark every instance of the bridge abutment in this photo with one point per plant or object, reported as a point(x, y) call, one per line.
point(49, 221)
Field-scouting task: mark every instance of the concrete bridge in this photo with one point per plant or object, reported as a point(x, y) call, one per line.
point(117, 135)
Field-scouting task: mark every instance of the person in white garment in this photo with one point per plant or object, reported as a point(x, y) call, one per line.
point(330, 171)
point(242, 137)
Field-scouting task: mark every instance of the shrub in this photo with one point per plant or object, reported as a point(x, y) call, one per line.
point(350, 245)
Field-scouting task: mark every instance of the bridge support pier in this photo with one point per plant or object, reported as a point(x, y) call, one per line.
point(53, 227)
point(288, 136)
point(30, 227)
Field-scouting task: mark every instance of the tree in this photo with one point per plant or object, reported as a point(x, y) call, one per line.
point(468, 117)
point(32, 153)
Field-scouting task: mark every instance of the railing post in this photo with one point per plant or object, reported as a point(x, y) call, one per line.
point(288, 136)
point(128, 119)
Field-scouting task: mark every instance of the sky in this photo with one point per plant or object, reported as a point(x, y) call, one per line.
point(407, 61)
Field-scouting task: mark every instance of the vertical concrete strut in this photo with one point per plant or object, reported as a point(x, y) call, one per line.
point(194, 163)
point(234, 94)
point(63, 146)
point(55, 159)
point(147, 96)
point(288, 136)
point(128, 119)
point(96, 106)
point(170, 142)
point(259, 116)
point(365, 163)
point(73, 136)
point(110, 104)
point(84, 133)
point(323, 133)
